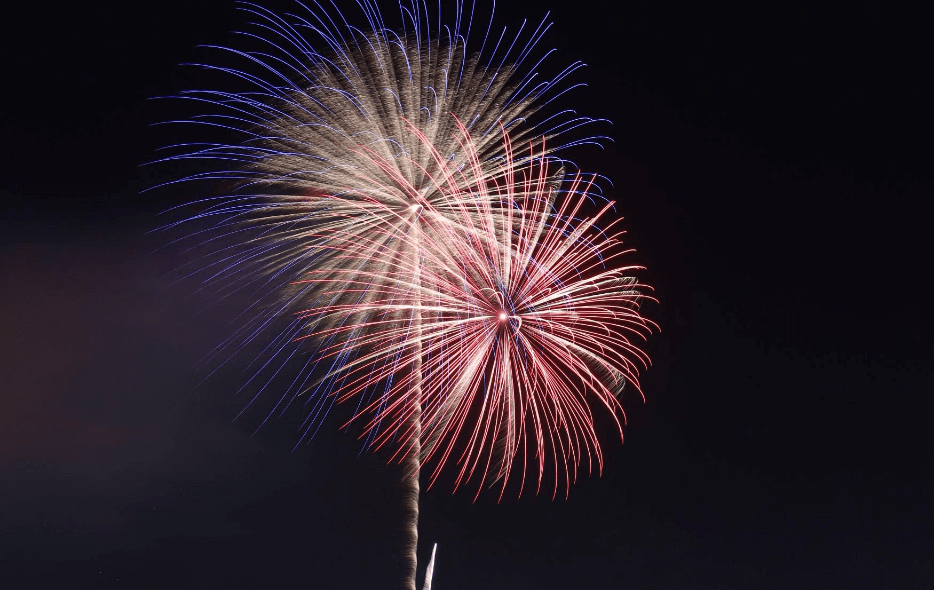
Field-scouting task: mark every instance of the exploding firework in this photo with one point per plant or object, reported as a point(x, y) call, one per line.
point(499, 329)
point(347, 168)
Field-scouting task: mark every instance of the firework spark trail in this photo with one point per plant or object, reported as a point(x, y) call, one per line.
point(525, 322)
point(411, 461)
point(430, 570)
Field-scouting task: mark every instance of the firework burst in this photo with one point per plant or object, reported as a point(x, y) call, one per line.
point(362, 157)
point(502, 326)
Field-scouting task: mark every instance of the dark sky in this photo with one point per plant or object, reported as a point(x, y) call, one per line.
point(773, 165)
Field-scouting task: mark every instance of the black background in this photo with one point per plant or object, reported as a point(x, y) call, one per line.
point(773, 164)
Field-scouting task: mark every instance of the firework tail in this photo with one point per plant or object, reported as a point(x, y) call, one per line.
point(411, 464)
point(431, 568)
point(410, 492)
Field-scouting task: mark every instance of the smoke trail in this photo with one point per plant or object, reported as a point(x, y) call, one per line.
point(410, 492)
point(411, 464)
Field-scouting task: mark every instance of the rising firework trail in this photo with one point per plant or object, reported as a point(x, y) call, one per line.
point(431, 568)
point(318, 109)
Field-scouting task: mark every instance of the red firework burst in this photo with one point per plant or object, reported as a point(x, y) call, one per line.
point(494, 326)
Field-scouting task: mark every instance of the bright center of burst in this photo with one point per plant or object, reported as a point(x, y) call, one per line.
point(502, 316)
point(415, 208)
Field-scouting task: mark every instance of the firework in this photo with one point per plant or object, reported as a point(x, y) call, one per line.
point(499, 330)
point(346, 149)
point(431, 568)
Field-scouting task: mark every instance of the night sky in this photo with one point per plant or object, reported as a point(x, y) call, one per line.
point(774, 169)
